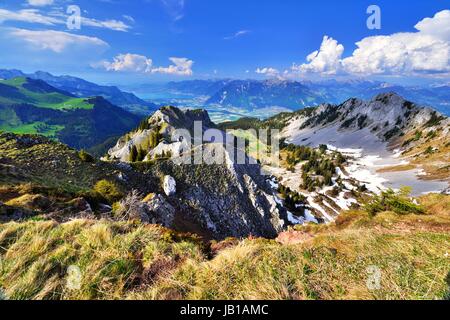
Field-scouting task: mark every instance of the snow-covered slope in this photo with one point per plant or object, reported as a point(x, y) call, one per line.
point(380, 137)
point(369, 125)
point(388, 141)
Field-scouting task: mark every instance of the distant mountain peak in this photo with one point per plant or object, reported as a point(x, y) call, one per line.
point(389, 98)
point(84, 89)
point(387, 117)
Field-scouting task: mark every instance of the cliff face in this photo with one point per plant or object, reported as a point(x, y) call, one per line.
point(225, 199)
point(162, 123)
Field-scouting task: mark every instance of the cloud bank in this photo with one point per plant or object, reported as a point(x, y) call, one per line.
point(141, 64)
point(56, 41)
point(59, 18)
point(271, 72)
point(426, 51)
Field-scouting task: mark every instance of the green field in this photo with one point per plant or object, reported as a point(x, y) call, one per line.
point(41, 128)
point(17, 94)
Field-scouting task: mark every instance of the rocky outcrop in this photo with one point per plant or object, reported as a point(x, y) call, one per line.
point(153, 209)
point(161, 211)
point(217, 198)
point(225, 200)
point(164, 121)
point(11, 213)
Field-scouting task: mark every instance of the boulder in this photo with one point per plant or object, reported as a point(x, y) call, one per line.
point(169, 186)
point(161, 211)
point(80, 205)
point(9, 213)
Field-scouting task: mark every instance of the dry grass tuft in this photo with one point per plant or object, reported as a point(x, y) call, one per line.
point(126, 260)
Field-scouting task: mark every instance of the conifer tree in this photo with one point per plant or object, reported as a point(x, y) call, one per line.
point(133, 154)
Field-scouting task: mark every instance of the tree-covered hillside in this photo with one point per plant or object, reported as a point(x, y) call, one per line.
point(30, 106)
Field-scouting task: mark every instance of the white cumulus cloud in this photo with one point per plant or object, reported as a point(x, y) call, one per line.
point(400, 53)
point(56, 41)
point(438, 26)
point(129, 62)
point(326, 60)
point(180, 66)
point(271, 72)
point(426, 51)
point(141, 64)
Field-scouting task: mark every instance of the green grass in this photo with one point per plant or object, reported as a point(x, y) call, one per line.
point(41, 128)
point(66, 104)
point(110, 257)
point(14, 81)
point(50, 100)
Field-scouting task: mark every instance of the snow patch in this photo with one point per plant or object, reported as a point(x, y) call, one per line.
point(294, 219)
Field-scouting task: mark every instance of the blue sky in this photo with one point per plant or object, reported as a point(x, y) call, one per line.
point(138, 41)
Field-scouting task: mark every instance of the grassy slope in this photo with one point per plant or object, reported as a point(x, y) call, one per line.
point(51, 100)
point(33, 107)
point(436, 162)
point(127, 260)
point(33, 128)
point(47, 163)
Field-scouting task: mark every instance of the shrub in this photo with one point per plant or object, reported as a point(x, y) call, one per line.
point(435, 120)
point(85, 157)
point(347, 123)
point(141, 154)
point(432, 134)
point(131, 208)
point(429, 150)
point(393, 132)
point(362, 121)
point(362, 188)
point(398, 202)
point(417, 135)
point(323, 148)
point(335, 192)
point(108, 190)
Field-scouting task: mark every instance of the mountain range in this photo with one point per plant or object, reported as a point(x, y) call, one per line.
point(251, 95)
point(65, 218)
point(327, 151)
point(85, 89)
point(143, 222)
